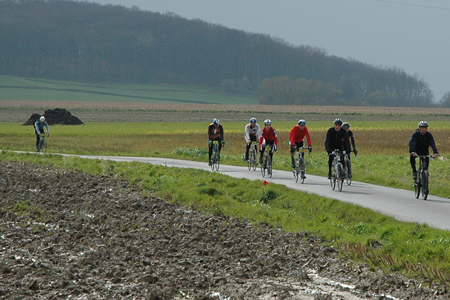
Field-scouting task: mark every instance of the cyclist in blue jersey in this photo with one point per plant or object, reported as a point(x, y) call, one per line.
point(39, 128)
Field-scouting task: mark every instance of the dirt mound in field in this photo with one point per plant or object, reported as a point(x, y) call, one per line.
point(55, 116)
point(65, 235)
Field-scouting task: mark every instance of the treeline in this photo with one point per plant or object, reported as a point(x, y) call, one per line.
point(83, 41)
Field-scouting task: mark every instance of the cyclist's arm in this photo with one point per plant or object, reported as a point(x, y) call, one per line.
point(308, 137)
point(247, 133)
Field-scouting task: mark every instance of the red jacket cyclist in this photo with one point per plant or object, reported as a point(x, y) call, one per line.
point(296, 139)
point(268, 137)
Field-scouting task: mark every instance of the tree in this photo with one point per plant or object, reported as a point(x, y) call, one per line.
point(445, 100)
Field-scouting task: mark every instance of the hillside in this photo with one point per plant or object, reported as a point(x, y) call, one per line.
point(87, 42)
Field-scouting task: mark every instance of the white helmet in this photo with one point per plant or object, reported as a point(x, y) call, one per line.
point(42, 119)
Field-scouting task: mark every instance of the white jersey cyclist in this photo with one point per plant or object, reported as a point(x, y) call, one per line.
point(252, 134)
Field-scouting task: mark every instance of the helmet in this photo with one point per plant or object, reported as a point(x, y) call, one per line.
point(252, 120)
point(267, 121)
point(42, 119)
point(346, 125)
point(216, 122)
point(338, 121)
point(301, 122)
point(423, 124)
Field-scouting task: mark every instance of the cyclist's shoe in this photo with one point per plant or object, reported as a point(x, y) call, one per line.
point(329, 174)
point(414, 175)
point(292, 163)
point(260, 160)
point(37, 150)
point(349, 175)
point(209, 163)
point(303, 176)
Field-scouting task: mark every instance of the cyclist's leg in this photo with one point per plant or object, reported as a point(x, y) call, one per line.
point(292, 156)
point(247, 150)
point(330, 162)
point(210, 153)
point(426, 163)
point(261, 153)
point(349, 166)
point(220, 147)
point(412, 161)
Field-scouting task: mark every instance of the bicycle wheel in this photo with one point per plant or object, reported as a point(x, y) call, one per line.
point(333, 179)
point(263, 168)
point(340, 176)
point(217, 164)
point(269, 166)
point(348, 166)
point(254, 161)
point(425, 176)
point(213, 158)
point(301, 166)
point(295, 174)
point(43, 146)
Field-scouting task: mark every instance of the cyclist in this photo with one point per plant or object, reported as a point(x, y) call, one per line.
point(419, 143)
point(252, 133)
point(215, 133)
point(336, 138)
point(39, 128)
point(268, 137)
point(346, 126)
point(296, 139)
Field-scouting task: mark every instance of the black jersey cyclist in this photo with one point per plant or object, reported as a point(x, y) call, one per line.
point(215, 133)
point(336, 138)
point(419, 143)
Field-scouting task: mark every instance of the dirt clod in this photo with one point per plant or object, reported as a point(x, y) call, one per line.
point(55, 116)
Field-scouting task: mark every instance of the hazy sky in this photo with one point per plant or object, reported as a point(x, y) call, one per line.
point(412, 35)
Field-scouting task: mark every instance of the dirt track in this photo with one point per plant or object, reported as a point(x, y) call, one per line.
point(20, 111)
point(70, 235)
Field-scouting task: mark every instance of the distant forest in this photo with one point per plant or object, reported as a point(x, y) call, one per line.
point(82, 41)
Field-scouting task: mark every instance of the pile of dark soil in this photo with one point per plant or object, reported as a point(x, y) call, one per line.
point(55, 116)
point(70, 235)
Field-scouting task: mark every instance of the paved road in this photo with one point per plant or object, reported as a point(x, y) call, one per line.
point(401, 204)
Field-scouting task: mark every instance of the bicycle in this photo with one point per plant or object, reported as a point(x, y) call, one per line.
point(347, 167)
point(267, 161)
point(42, 146)
point(215, 156)
point(300, 165)
point(337, 171)
point(422, 177)
point(252, 159)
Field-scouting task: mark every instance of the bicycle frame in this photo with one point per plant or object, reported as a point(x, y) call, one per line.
point(42, 143)
point(337, 171)
point(252, 159)
point(300, 165)
point(347, 166)
point(267, 161)
point(423, 176)
point(215, 156)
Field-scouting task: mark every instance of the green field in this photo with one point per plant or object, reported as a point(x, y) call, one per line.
point(17, 88)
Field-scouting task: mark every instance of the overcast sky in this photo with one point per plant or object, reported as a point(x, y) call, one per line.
point(412, 35)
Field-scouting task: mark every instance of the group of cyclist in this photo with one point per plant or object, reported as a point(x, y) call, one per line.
point(337, 137)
